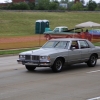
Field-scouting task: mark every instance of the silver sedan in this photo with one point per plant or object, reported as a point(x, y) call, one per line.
point(56, 53)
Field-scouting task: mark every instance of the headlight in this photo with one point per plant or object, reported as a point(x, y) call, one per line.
point(22, 56)
point(44, 57)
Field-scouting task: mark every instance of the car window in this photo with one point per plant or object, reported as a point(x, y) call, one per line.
point(64, 29)
point(61, 44)
point(74, 44)
point(56, 30)
point(83, 44)
point(50, 44)
point(56, 44)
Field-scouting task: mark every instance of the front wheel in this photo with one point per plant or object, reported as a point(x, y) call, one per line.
point(58, 65)
point(30, 68)
point(92, 61)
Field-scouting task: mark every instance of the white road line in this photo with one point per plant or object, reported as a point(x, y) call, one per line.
point(94, 71)
point(96, 98)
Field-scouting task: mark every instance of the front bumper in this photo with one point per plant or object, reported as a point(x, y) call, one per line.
point(36, 64)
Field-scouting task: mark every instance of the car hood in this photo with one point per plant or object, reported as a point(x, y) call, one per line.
point(48, 32)
point(43, 51)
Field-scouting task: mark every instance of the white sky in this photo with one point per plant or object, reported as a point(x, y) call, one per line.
point(2, 1)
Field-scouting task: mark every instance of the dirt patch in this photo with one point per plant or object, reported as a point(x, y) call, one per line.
point(21, 41)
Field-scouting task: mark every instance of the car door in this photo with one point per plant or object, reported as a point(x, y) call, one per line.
point(74, 53)
point(85, 50)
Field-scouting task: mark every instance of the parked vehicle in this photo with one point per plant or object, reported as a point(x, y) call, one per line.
point(56, 53)
point(64, 32)
point(57, 30)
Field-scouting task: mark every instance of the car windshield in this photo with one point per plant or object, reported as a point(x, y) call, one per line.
point(56, 44)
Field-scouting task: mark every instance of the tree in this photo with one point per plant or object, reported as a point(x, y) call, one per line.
point(69, 5)
point(31, 5)
point(53, 6)
point(19, 6)
point(98, 7)
point(43, 5)
point(91, 5)
point(82, 1)
point(77, 6)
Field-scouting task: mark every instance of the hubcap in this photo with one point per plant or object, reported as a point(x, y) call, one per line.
point(58, 65)
point(93, 60)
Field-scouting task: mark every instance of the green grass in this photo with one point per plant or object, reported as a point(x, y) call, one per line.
point(23, 23)
point(16, 51)
point(97, 43)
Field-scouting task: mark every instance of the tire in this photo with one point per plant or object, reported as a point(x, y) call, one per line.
point(58, 65)
point(92, 61)
point(30, 68)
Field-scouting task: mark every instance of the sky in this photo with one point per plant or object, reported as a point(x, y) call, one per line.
point(97, 1)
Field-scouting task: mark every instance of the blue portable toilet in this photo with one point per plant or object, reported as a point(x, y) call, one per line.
point(40, 26)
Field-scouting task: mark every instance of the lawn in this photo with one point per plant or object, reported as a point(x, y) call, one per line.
point(23, 23)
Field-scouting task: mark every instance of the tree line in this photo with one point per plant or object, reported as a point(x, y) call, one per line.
point(55, 5)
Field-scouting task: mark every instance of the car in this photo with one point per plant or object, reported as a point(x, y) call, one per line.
point(57, 53)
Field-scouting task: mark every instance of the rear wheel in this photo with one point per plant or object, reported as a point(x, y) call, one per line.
point(92, 61)
point(30, 68)
point(58, 65)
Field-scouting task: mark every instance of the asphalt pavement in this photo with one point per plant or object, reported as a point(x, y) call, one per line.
point(77, 82)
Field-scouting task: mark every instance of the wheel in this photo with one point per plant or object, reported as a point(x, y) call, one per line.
point(92, 61)
point(58, 65)
point(30, 68)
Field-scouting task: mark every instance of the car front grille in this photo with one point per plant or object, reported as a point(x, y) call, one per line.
point(31, 57)
point(35, 57)
point(27, 57)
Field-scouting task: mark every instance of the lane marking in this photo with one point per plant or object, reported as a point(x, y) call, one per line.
point(96, 98)
point(94, 71)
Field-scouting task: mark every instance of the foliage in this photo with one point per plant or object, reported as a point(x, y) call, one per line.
point(43, 5)
point(54, 5)
point(47, 5)
point(19, 6)
point(98, 7)
point(77, 6)
point(32, 6)
point(91, 5)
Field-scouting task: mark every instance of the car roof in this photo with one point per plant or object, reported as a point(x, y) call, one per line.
point(66, 39)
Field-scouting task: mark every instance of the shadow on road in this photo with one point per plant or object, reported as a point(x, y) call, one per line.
point(76, 67)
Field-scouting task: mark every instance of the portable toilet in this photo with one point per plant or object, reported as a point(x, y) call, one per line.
point(38, 27)
point(41, 25)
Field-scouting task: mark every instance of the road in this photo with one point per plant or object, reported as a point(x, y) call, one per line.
point(78, 82)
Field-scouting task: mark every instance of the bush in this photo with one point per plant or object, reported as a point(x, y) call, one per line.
point(19, 6)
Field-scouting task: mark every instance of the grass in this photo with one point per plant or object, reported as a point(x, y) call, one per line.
point(14, 24)
point(16, 51)
point(23, 23)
